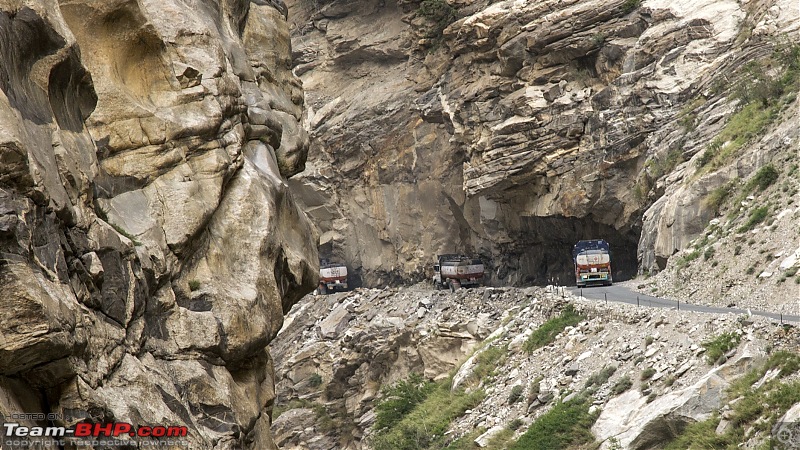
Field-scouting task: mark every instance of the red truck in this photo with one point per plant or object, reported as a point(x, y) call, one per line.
point(592, 259)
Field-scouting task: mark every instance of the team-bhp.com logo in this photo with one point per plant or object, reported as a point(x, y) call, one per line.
point(121, 434)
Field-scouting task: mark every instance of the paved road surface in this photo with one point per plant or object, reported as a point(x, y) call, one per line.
point(622, 294)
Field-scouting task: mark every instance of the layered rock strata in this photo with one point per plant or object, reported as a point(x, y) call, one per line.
point(149, 242)
point(513, 129)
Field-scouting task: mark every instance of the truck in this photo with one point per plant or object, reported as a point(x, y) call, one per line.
point(452, 271)
point(332, 277)
point(592, 260)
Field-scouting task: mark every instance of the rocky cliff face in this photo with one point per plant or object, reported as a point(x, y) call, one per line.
point(512, 129)
point(149, 242)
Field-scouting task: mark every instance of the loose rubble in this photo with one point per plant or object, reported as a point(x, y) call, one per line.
point(387, 334)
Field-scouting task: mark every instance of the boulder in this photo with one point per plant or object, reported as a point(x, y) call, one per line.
point(636, 426)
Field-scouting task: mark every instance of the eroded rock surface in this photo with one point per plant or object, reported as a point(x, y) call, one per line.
point(329, 383)
point(149, 242)
point(521, 127)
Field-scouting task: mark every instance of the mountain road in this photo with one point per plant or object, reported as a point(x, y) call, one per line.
point(621, 294)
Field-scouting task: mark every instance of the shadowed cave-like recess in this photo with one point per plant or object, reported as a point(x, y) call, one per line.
point(542, 252)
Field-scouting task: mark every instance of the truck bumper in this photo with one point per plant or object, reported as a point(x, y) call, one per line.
point(585, 279)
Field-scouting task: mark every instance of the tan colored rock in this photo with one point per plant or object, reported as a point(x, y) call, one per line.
point(149, 243)
point(523, 128)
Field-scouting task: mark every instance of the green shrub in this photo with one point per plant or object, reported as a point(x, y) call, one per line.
point(515, 424)
point(440, 13)
point(648, 373)
point(631, 5)
point(194, 285)
point(423, 427)
point(648, 341)
point(599, 378)
point(547, 333)
point(400, 399)
point(720, 345)
point(566, 425)
point(663, 165)
point(123, 232)
point(622, 385)
point(711, 151)
point(764, 178)
point(716, 198)
point(683, 261)
point(756, 217)
point(314, 380)
point(709, 253)
point(598, 39)
point(516, 394)
point(738, 250)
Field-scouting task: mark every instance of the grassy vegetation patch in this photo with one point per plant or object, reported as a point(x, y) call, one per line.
point(716, 198)
point(599, 378)
point(622, 385)
point(719, 345)
point(687, 118)
point(546, 334)
point(746, 124)
point(764, 178)
point(424, 425)
point(400, 399)
point(756, 216)
point(761, 97)
point(756, 410)
point(684, 260)
point(486, 363)
point(467, 441)
point(566, 425)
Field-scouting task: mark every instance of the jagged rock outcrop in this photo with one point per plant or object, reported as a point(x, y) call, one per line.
point(635, 424)
point(342, 348)
point(149, 242)
point(513, 129)
point(338, 352)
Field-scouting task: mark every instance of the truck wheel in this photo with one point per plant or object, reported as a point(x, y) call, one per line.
point(323, 290)
point(454, 286)
point(438, 286)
